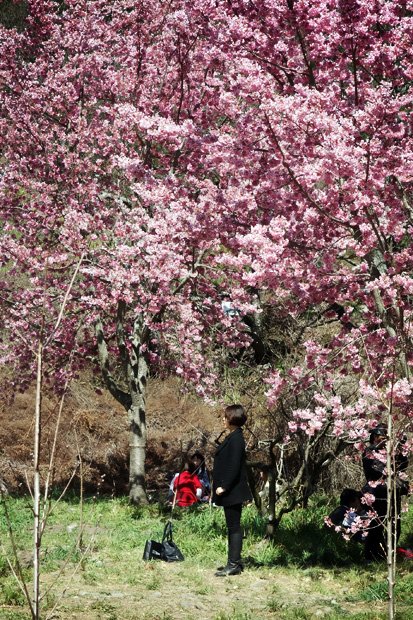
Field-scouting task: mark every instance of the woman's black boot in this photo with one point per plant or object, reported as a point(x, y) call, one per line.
point(234, 565)
point(229, 569)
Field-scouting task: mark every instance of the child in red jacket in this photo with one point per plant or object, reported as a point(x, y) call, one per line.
point(187, 486)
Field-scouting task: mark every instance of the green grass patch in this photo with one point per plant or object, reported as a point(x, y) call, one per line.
point(12, 614)
point(377, 591)
point(104, 551)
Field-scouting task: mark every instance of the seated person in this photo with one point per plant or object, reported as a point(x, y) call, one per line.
point(187, 486)
point(348, 517)
point(198, 460)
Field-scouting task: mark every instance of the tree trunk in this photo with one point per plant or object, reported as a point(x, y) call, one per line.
point(137, 445)
point(391, 516)
point(136, 372)
point(37, 527)
point(253, 488)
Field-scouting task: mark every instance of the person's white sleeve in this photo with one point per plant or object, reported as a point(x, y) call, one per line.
point(171, 486)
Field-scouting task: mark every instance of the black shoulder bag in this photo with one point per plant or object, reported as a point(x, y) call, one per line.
point(166, 550)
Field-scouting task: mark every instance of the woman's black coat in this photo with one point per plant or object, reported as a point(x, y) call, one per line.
point(229, 471)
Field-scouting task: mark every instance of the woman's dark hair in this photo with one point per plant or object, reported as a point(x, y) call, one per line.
point(348, 496)
point(379, 431)
point(200, 457)
point(235, 415)
point(188, 466)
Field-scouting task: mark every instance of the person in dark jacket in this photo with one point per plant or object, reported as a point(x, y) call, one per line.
point(230, 485)
point(198, 460)
point(374, 466)
point(350, 513)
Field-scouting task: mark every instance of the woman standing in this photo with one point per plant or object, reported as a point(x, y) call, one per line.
point(230, 485)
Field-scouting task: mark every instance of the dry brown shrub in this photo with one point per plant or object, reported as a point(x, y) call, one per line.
point(94, 428)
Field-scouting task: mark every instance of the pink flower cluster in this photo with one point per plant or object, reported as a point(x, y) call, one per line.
point(188, 149)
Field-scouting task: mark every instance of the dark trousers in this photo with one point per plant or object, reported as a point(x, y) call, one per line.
point(376, 541)
point(375, 545)
point(233, 521)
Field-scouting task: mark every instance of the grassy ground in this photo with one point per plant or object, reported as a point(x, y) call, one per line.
point(97, 572)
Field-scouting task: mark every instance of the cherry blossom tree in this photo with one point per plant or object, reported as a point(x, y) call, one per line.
point(192, 148)
point(324, 152)
point(110, 115)
point(320, 97)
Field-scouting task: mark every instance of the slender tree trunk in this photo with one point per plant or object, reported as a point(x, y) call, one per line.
point(272, 499)
point(254, 489)
point(393, 322)
point(36, 488)
point(390, 516)
point(273, 474)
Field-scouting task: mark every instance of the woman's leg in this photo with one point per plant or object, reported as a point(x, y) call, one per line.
point(233, 521)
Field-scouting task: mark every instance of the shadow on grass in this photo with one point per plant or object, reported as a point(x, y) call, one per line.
point(309, 544)
point(303, 540)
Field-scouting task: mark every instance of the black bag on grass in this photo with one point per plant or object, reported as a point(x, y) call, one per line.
point(165, 550)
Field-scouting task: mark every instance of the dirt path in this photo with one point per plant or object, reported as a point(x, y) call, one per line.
point(172, 591)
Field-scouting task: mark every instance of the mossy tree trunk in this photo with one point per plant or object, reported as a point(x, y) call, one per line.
point(134, 365)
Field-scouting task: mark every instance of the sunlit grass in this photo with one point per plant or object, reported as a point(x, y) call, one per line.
point(111, 538)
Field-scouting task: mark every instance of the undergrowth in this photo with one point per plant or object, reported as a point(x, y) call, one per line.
point(113, 534)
